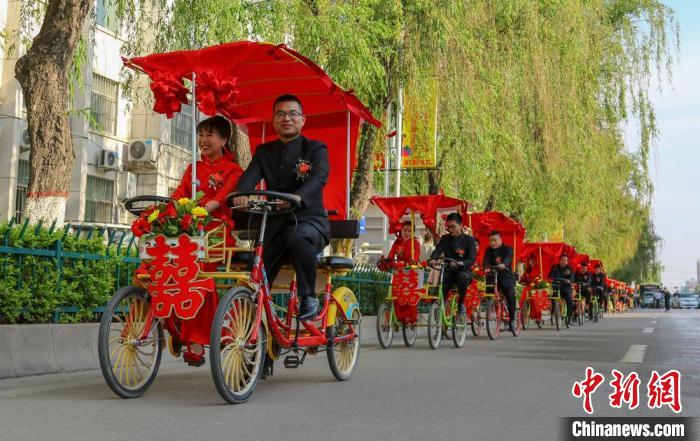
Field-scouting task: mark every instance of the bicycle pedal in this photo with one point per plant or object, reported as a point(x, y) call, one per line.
point(292, 361)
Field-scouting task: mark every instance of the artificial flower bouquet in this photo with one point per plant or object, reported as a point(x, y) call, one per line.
point(181, 216)
point(172, 220)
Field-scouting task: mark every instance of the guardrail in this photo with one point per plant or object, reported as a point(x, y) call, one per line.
point(53, 268)
point(43, 267)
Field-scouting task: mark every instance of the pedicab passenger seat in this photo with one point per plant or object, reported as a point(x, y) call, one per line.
point(341, 229)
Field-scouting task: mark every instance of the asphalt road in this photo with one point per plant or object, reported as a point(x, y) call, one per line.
point(510, 389)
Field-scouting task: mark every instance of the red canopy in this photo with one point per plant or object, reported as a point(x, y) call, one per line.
point(578, 261)
point(241, 80)
point(546, 254)
point(595, 262)
point(482, 223)
point(427, 206)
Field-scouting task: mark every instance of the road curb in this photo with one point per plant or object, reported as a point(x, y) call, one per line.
point(48, 349)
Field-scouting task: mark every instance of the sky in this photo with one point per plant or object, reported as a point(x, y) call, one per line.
point(675, 163)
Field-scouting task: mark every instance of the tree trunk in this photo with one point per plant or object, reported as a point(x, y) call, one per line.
point(435, 176)
point(241, 147)
point(362, 190)
point(43, 74)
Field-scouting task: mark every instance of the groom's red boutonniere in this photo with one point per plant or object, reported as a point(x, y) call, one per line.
point(302, 169)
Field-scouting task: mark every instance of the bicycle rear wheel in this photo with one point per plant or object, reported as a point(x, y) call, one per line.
point(385, 329)
point(459, 329)
point(580, 313)
point(410, 333)
point(493, 320)
point(476, 324)
point(434, 326)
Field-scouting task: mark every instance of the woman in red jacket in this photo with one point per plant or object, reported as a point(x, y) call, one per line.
point(401, 249)
point(217, 176)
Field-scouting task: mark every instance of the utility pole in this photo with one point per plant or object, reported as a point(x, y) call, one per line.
point(387, 157)
point(399, 143)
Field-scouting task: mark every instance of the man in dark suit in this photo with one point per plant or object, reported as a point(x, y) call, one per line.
point(562, 277)
point(459, 247)
point(498, 259)
point(297, 165)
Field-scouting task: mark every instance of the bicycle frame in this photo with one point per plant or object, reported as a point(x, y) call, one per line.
point(500, 300)
point(446, 320)
point(283, 331)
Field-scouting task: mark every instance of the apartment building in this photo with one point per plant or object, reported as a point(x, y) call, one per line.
point(123, 150)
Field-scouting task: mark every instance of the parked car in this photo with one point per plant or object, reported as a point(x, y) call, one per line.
point(684, 300)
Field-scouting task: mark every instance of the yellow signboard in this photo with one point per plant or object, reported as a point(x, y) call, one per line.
point(419, 129)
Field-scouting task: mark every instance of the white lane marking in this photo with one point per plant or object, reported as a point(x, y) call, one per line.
point(635, 354)
point(648, 331)
point(653, 322)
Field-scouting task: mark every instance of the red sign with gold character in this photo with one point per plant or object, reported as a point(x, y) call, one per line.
point(174, 286)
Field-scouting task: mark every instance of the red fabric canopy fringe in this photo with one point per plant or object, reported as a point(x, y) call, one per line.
point(241, 81)
point(426, 206)
point(546, 254)
point(482, 223)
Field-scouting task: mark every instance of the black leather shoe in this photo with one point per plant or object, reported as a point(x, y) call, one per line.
point(513, 326)
point(308, 308)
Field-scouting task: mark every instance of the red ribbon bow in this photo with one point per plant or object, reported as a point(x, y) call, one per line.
point(169, 92)
point(216, 95)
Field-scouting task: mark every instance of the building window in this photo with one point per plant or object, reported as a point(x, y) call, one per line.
point(106, 15)
point(99, 200)
point(22, 185)
point(181, 127)
point(103, 105)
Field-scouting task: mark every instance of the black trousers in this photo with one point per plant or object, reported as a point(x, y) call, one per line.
point(587, 297)
point(506, 287)
point(600, 292)
point(301, 245)
point(461, 279)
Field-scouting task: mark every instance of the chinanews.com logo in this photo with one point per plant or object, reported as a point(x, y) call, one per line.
point(662, 390)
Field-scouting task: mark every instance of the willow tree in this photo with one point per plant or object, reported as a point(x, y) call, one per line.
point(536, 96)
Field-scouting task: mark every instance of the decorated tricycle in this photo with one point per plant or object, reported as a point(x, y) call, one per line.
point(486, 304)
point(408, 292)
point(538, 295)
point(197, 263)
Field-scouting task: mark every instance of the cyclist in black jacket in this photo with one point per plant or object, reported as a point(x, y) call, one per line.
point(562, 277)
point(500, 256)
point(583, 278)
point(458, 246)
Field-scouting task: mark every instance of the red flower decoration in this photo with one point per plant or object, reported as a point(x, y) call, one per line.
point(169, 211)
point(216, 95)
point(186, 222)
point(140, 227)
point(216, 181)
point(170, 93)
point(303, 168)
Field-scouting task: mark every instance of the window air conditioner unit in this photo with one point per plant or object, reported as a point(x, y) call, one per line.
point(109, 160)
point(143, 151)
point(24, 142)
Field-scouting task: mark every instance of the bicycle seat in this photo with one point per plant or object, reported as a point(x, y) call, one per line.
point(336, 263)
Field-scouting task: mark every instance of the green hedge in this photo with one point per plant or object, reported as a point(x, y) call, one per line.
point(369, 285)
point(33, 286)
